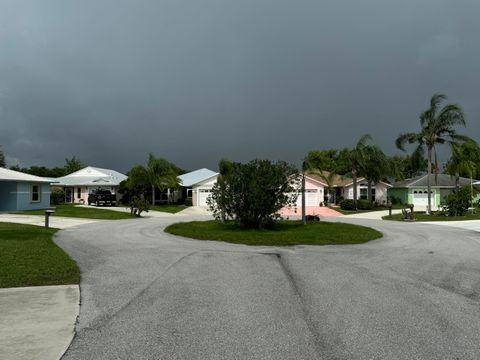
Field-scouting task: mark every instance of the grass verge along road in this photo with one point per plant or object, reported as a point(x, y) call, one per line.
point(285, 233)
point(68, 210)
point(421, 216)
point(29, 257)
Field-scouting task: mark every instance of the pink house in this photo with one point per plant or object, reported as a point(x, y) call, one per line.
point(314, 198)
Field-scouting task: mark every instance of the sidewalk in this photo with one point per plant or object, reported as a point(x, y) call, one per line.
point(57, 222)
point(37, 322)
point(373, 215)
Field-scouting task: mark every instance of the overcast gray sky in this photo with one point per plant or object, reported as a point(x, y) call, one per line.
point(196, 80)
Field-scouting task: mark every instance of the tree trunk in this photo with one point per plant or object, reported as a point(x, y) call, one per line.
point(457, 180)
point(153, 195)
point(304, 218)
point(429, 206)
point(369, 191)
point(354, 176)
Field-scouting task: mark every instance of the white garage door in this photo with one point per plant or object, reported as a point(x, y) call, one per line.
point(311, 198)
point(420, 198)
point(203, 195)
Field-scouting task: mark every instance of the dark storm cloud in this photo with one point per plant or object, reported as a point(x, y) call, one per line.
point(195, 81)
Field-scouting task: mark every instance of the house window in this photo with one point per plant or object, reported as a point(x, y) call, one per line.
point(35, 193)
point(364, 193)
point(189, 193)
point(79, 193)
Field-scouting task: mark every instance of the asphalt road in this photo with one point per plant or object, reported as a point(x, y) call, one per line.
point(414, 294)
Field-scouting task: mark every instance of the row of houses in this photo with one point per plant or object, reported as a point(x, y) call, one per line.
point(20, 191)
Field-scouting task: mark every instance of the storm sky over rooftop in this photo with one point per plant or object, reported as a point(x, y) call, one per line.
point(195, 81)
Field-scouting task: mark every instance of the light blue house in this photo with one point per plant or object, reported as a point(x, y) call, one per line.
point(20, 191)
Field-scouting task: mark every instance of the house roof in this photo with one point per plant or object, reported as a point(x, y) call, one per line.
point(443, 180)
point(338, 180)
point(12, 175)
point(476, 183)
point(92, 176)
point(195, 177)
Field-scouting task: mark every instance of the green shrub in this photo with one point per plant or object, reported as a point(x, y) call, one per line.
point(188, 201)
point(348, 204)
point(138, 205)
point(364, 205)
point(57, 197)
point(459, 201)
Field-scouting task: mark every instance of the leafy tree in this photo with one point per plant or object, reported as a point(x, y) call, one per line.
point(2, 157)
point(465, 160)
point(136, 185)
point(437, 126)
point(72, 165)
point(331, 160)
point(252, 193)
point(459, 201)
point(158, 174)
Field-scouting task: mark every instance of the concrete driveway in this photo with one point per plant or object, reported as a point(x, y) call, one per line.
point(414, 294)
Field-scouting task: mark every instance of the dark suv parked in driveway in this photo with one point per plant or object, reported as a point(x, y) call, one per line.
point(102, 197)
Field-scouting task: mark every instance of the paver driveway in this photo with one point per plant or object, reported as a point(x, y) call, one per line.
point(148, 295)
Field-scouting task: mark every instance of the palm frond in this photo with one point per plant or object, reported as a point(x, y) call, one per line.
point(405, 138)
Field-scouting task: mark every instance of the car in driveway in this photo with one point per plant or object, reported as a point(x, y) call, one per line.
point(102, 197)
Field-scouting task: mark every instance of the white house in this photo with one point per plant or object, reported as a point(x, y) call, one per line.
point(198, 185)
point(379, 191)
point(79, 184)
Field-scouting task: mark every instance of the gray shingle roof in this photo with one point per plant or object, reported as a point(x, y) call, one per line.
point(443, 180)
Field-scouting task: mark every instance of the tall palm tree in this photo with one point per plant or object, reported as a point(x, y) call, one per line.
point(437, 126)
point(376, 167)
point(357, 158)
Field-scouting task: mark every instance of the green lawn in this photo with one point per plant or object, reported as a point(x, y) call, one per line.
point(69, 210)
point(29, 257)
point(285, 233)
point(168, 208)
point(421, 216)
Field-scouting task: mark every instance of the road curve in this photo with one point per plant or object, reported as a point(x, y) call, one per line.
point(145, 294)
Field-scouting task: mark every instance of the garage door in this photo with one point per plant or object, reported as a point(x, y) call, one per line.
point(420, 198)
point(311, 198)
point(203, 195)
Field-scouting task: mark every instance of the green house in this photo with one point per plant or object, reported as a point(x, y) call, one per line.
point(414, 191)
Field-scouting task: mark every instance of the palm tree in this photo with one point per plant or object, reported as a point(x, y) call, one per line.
point(464, 160)
point(437, 127)
point(161, 174)
point(329, 178)
point(357, 158)
point(375, 167)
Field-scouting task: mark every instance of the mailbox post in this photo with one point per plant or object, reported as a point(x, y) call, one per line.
point(389, 205)
point(48, 212)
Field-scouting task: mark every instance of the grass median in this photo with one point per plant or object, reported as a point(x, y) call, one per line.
point(285, 233)
point(421, 216)
point(29, 257)
point(70, 210)
point(172, 209)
